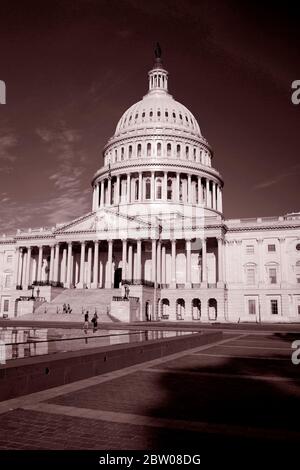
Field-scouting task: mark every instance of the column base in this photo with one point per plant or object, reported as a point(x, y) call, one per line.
point(108, 286)
point(204, 284)
point(188, 285)
point(80, 285)
point(94, 285)
point(220, 284)
point(173, 285)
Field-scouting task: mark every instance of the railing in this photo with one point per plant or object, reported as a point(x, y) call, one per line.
point(118, 298)
point(47, 283)
point(138, 282)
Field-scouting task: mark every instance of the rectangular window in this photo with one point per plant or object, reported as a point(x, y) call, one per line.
point(8, 281)
point(274, 307)
point(249, 249)
point(250, 276)
point(272, 275)
point(271, 248)
point(251, 307)
point(6, 305)
point(298, 279)
point(9, 259)
point(298, 309)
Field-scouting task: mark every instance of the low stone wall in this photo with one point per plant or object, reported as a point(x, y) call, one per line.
point(28, 375)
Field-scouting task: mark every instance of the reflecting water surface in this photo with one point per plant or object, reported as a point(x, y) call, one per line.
point(23, 342)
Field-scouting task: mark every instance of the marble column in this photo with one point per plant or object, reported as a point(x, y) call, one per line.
point(165, 186)
point(97, 196)
point(220, 200)
point(128, 187)
point(139, 259)
point(96, 264)
point(40, 261)
point(152, 185)
point(178, 187)
point(102, 194)
point(69, 266)
point(82, 263)
point(220, 262)
point(158, 257)
point(140, 186)
point(89, 266)
point(124, 260)
point(51, 263)
point(204, 262)
point(118, 191)
point(28, 264)
point(173, 263)
point(16, 266)
point(189, 189)
point(199, 191)
point(20, 266)
point(154, 261)
point(163, 264)
point(214, 195)
point(207, 195)
point(108, 281)
point(108, 202)
point(64, 265)
point(130, 261)
point(56, 260)
point(188, 263)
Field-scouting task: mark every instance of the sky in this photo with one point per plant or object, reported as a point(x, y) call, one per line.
point(72, 67)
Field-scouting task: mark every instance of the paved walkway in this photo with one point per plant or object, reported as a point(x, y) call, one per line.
point(241, 389)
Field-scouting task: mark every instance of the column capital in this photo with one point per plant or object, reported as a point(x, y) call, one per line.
point(259, 240)
point(281, 239)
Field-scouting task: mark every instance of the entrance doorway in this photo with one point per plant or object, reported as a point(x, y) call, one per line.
point(117, 278)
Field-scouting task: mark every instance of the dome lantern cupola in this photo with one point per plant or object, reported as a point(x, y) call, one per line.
point(158, 76)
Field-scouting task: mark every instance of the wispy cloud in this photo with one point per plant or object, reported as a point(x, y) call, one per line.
point(276, 179)
point(8, 141)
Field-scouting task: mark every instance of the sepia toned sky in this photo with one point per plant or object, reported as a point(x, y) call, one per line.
point(72, 67)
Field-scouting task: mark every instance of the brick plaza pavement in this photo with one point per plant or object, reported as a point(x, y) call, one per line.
point(242, 389)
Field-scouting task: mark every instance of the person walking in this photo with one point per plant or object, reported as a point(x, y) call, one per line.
point(95, 321)
point(86, 321)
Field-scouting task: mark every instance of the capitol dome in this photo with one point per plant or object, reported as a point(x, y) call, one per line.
point(158, 110)
point(158, 156)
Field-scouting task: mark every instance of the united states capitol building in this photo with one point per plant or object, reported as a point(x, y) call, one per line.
point(157, 227)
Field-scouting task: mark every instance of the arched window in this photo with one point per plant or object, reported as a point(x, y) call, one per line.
point(130, 151)
point(178, 151)
point(169, 150)
point(180, 117)
point(195, 154)
point(181, 190)
point(143, 115)
point(136, 190)
point(158, 114)
point(148, 150)
point(116, 155)
point(151, 114)
point(139, 150)
point(187, 151)
point(148, 188)
point(122, 153)
point(166, 114)
point(170, 189)
point(158, 188)
point(136, 116)
point(159, 149)
point(174, 115)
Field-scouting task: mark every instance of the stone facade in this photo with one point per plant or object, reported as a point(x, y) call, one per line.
point(157, 224)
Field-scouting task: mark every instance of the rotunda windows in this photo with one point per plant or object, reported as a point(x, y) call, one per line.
point(187, 152)
point(178, 150)
point(166, 115)
point(148, 150)
point(159, 149)
point(158, 188)
point(148, 188)
point(139, 150)
point(122, 153)
point(170, 189)
point(130, 151)
point(158, 114)
point(168, 150)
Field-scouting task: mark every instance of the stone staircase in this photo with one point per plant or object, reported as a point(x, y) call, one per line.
point(79, 300)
